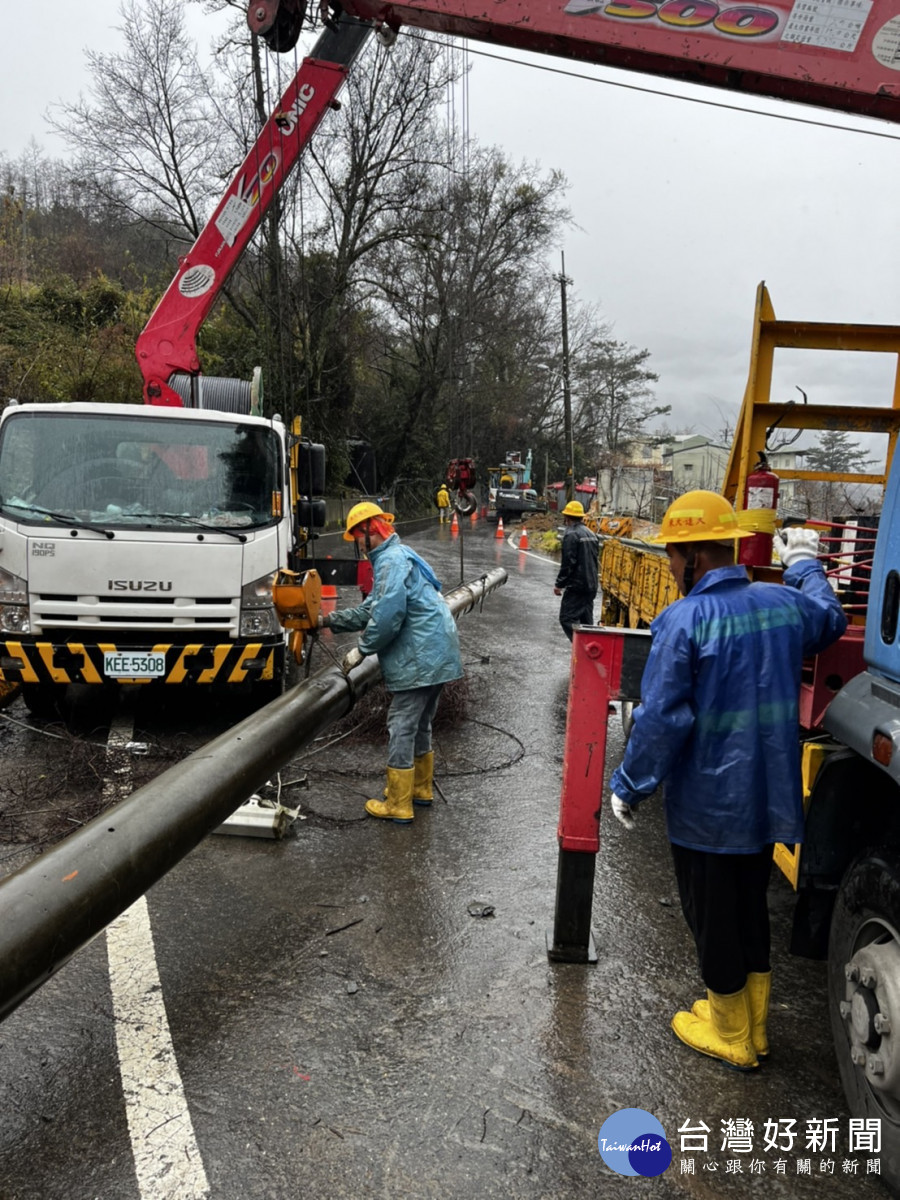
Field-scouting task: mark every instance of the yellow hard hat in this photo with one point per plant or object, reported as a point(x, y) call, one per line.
point(699, 517)
point(574, 509)
point(362, 512)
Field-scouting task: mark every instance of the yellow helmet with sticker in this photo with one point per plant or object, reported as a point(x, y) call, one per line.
point(699, 516)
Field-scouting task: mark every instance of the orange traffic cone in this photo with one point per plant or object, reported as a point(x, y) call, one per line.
point(454, 524)
point(499, 533)
point(523, 539)
point(329, 591)
point(474, 516)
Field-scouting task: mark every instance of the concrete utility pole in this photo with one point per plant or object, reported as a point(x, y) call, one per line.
point(564, 281)
point(60, 901)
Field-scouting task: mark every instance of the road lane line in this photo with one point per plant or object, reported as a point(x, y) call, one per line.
point(531, 553)
point(166, 1156)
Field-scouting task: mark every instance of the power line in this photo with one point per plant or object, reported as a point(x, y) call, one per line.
point(634, 87)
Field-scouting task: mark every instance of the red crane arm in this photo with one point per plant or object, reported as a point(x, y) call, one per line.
point(841, 54)
point(168, 342)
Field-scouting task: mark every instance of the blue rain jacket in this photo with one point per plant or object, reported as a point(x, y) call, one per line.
point(405, 621)
point(718, 719)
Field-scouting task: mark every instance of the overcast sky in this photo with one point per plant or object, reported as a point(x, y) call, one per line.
point(682, 207)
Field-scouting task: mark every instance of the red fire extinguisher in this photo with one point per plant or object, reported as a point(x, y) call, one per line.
point(761, 491)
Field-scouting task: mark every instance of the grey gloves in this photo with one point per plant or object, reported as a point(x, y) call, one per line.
point(350, 660)
point(621, 811)
point(796, 544)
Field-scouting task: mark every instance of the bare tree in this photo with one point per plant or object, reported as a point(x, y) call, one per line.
point(147, 136)
point(361, 190)
point(452, 293)
point(615, 397)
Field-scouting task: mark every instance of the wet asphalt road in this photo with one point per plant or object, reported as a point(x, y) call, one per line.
point(344, 1025)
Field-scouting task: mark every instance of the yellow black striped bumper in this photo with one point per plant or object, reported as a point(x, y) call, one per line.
point(190, 663)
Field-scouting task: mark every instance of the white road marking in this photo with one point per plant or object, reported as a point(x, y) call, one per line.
point(530, 553)
point(166, 1156)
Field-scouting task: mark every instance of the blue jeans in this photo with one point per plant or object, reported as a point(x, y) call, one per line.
point(409, 724)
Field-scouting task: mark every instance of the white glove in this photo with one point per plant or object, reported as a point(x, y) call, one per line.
point(621, 811)
point(351, 659)
point(796, 544)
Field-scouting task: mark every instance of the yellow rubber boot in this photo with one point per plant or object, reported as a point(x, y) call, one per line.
point(726, 1035)
point(759, 986)
point(423, 779)
point(397, 804)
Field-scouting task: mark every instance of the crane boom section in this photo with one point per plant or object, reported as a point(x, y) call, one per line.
point(841, 54)
point(168, 342)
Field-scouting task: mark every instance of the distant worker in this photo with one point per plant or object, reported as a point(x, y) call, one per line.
point(577, 578)
point(442, 500)
point(718, 726)
point(506, 480)
point(407, 623)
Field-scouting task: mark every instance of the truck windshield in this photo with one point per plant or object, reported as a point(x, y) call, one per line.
point(138, 472)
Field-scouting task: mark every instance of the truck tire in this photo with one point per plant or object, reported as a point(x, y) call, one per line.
point(864, 996)
point(43, 700)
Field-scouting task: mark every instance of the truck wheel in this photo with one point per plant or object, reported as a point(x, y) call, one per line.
point(864, 996)
point(264, 691)
point(43, 699)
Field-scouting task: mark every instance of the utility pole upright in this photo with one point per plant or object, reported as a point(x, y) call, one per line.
point(564, 281)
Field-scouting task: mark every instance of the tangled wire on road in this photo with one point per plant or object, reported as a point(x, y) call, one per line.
point(368, 722)
point(37, 810)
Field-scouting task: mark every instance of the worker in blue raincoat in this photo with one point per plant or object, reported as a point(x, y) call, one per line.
point(718, 726)
point(405, 621)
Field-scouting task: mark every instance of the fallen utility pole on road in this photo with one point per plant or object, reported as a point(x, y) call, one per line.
point(58, 903)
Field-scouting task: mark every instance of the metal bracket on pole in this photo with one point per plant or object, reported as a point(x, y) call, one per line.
point(607, 664)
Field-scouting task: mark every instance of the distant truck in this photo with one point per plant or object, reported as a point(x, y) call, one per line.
point(511, 495)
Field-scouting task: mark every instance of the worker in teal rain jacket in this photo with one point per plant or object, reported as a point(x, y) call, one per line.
point(718, 727)
point(405, 621)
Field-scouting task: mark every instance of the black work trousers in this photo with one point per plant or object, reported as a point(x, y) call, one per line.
point(723, 898)
point(576, 608)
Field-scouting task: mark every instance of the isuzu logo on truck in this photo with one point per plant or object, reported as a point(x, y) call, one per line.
point(139, 585)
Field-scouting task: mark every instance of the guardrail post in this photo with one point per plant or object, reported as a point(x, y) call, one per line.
point(607, 664)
